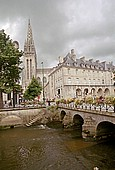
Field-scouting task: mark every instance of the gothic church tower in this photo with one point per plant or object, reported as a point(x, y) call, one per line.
point(30, 59)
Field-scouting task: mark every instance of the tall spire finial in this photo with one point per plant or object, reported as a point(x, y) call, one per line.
point(29, 21)
point(29, 34)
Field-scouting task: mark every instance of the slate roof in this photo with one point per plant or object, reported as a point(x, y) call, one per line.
point(87, 64)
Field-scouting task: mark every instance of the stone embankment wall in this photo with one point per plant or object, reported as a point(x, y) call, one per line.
point(27, 116)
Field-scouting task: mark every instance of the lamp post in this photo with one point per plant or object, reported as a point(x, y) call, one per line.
point(43, 81)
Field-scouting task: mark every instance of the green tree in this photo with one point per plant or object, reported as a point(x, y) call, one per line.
point(9, 66)
point(33, 90)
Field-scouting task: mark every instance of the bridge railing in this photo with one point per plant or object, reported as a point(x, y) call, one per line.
point(84, 106)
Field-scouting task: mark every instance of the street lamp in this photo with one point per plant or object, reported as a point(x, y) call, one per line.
point(43, 81)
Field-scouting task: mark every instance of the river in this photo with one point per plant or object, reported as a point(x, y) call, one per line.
point(34, 148)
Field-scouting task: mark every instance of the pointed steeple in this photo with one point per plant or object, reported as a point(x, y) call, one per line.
point(30, 58)
point(29, 46)
point(29, 34)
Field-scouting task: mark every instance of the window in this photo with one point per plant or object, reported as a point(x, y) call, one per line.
point(30, 68)
point(69, 80)
point(77, 80)
point(27, 69)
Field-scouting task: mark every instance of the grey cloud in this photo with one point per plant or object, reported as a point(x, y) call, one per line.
point(88, 26)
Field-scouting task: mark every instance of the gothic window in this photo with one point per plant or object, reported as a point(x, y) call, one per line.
point(27, 69)
point(30, 68)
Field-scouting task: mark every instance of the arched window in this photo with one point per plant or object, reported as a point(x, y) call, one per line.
point(39, 80)
point(30, 68)
point(27, 69)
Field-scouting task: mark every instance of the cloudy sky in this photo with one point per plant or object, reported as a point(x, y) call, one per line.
point(87, 26)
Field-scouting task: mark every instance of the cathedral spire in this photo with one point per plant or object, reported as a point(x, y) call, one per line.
point(29, 34)
point(30, 57)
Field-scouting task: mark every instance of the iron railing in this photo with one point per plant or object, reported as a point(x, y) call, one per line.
point(99, 107)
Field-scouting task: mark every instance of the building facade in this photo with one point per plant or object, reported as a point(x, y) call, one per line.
point(71, 78)
point(78, 78)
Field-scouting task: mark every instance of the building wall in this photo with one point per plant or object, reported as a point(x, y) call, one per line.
point(69, 80)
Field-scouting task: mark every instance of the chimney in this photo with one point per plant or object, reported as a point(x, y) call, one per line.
point(73, 55)
point(60, 59)
point(82, 58)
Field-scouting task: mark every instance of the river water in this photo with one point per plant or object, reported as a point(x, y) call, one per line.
point(34, 148)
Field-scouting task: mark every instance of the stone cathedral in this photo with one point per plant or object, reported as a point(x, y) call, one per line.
point(30, 62)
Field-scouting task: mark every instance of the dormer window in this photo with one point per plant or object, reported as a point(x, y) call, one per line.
point(92, 66)
point(82, 65)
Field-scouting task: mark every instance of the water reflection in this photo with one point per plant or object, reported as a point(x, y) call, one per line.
point(39, 148)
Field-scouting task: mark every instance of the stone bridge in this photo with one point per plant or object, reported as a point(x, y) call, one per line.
point(89, 121)
point(94, 122)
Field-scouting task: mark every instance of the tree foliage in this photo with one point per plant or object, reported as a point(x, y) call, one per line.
point(9, 65)
point(33, 90)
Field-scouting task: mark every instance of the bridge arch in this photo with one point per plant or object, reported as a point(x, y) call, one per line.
point(77, 119)
point(11, 120)
point(77, 125)
point(105, 129)
point(62, 115)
